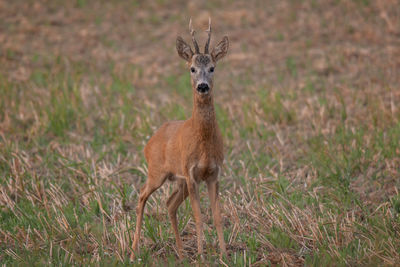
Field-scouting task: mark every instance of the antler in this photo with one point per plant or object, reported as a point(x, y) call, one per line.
point(209, 36)
point(192, 32)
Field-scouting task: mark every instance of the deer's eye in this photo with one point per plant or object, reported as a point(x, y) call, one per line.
point(193, 70)
point(212, 69)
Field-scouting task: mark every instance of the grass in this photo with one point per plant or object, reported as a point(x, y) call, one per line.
point(308, 111)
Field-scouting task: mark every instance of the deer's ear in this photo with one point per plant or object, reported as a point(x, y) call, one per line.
point(221, 49)
point(184, 50)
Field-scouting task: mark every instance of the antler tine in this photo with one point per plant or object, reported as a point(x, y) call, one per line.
point(209, 36)
point(192, 32)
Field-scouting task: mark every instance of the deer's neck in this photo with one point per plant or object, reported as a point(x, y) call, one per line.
point(203, 117)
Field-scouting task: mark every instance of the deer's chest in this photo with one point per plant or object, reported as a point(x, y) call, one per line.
point(205, 169)
point(205, 162)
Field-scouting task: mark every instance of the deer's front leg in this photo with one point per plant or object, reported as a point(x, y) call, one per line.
point(193, 189)
point(212, 186)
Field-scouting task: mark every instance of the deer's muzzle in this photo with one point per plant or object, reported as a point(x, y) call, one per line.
point(203, 88)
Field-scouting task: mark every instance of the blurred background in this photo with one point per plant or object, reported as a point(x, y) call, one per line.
point(307, 100)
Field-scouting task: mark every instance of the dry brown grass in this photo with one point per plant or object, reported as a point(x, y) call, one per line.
point(308, 101)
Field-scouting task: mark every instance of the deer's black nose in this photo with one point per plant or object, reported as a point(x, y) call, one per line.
point(203, 88)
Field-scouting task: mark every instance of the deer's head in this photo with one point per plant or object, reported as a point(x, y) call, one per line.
point(201, 65)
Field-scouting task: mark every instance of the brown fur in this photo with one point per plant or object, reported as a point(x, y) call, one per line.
point(188, 152)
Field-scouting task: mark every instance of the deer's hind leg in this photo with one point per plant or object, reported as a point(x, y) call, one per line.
point(173, 203)
point(154, 181)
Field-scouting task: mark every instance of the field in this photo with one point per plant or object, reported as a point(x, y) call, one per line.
point(308, 100)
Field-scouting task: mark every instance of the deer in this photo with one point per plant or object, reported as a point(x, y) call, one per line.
point(189, 152)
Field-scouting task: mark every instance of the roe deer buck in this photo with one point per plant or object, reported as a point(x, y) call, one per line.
point(190, 151)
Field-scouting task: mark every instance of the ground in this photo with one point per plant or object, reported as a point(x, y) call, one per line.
point(307, 100)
